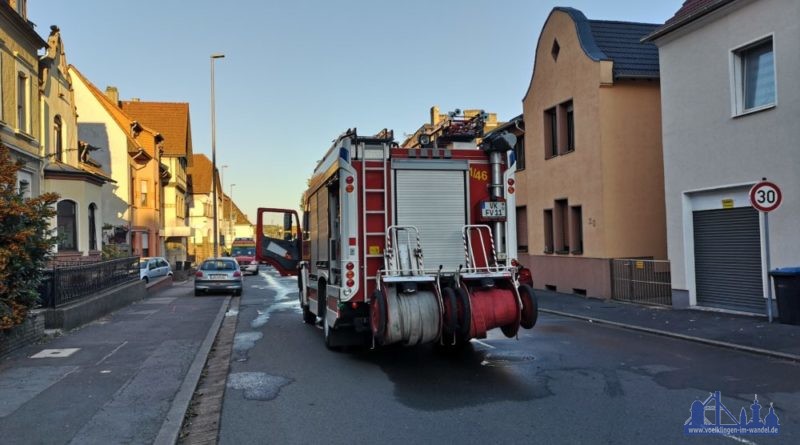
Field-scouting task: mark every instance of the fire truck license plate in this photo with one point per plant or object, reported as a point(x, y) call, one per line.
point(492, 209)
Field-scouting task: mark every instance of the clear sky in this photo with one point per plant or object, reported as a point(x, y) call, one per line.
point(298, 73)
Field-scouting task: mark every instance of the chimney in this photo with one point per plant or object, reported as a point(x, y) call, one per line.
point(435, 116)
point(112, 93)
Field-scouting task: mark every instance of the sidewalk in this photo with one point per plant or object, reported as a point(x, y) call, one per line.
point(748, 333)
point(125, 378)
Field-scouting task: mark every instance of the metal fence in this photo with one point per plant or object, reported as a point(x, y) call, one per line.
point(62, 285)
point(641, 281)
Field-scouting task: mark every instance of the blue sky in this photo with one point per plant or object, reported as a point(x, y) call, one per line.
point(299, 73)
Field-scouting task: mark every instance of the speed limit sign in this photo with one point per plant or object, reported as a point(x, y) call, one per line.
point(765, 196)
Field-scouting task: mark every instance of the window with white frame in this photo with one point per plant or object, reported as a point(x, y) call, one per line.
point(754, 76)
point(143, 193)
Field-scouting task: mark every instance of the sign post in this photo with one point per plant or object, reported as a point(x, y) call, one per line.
point(765, 197)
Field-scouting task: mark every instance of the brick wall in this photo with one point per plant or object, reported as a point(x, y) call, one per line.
point(29, 332)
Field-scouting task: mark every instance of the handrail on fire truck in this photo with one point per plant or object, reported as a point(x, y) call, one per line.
point(403, 258)
point(474, 253)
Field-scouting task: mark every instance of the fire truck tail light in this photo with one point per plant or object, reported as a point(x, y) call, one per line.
point(352, 241)
point(349, 188)
point(350, 266)
point(349, 180)
point(351, 283)
point(354, 305)
point(510, 181)
point(350, 274)
point(511, 190)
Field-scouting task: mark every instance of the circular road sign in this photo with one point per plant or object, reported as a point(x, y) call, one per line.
point(765, 196)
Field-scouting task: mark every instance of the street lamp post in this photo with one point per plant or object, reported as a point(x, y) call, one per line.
point(231, 218)
point(214, 152)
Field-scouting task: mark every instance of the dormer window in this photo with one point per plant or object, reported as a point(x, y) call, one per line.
point(556, 48)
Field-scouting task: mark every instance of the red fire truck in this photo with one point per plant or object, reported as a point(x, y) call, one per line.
point(410, 246)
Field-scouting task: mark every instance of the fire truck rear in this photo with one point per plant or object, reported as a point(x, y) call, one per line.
point(407, 246)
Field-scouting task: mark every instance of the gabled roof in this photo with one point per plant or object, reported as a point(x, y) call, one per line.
point(689, 12)
point(123, 120)
point(200, 172)
point(170, 118)
point(229, 206)
point(619, 42)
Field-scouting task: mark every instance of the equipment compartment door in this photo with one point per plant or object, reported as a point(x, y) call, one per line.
point(434, 201)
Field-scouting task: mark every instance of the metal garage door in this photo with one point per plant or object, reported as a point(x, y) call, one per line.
point(727, 251)
point(435, 202)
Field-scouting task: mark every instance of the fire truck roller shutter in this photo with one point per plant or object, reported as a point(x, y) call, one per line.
point(434, 201)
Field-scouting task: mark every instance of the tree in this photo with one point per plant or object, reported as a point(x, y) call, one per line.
point(26, 243)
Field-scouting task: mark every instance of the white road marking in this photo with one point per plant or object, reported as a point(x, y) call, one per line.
point(55, 353)
point(112, 352)
point(482, 343)
point(740, 440)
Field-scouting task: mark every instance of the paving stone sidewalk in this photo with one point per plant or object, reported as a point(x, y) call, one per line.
point(749, 332)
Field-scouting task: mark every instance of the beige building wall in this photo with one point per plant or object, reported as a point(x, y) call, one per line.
point(614, 173)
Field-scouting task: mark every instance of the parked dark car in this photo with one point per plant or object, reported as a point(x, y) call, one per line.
point(218, 274)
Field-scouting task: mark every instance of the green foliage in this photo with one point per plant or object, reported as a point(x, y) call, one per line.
point(113, 251)
point(26, 243)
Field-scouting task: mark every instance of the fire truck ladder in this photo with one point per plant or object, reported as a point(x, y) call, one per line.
point(375, 215)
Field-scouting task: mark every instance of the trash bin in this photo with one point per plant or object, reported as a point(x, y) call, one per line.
point(178, 265)
point(787, 294)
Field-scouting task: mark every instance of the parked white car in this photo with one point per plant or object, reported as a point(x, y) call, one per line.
point(154, 267)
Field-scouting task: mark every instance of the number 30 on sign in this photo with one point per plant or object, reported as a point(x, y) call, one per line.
point(765, 196)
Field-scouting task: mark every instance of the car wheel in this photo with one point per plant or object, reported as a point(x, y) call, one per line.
point(146, 280)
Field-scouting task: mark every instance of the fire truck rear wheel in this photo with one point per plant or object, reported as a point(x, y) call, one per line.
point(465, 312)
point(450, 311)
point(530, 307)
point(377, 316)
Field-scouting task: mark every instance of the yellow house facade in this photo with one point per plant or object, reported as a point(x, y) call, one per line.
point(19, 93)
point(592, 188)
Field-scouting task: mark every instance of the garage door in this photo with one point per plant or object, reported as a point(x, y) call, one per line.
point(435, 202)
point(727, 249)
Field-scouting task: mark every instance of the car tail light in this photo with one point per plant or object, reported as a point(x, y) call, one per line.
point(237, 274)
point(198, 274)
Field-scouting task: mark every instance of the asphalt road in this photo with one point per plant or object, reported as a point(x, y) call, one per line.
point(565, 381)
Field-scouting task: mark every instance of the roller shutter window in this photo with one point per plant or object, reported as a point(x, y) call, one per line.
point(434, 201)
point(727, 249)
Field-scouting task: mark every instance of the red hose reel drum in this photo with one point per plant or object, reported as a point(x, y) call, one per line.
point(494, 308)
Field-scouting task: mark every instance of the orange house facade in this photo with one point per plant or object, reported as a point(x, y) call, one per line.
point(592, 188)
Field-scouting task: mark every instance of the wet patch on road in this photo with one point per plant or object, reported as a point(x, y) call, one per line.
point(285, 299)
point(243, 342)
point(506, 358)
point(258, 385)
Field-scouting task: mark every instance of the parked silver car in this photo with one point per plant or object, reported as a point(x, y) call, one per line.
point(218, 274)
point(153, 267)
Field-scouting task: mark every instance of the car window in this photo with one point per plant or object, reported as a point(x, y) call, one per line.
point(162, 263)
point(143, 265)
point(209, 265)
point(152, 265)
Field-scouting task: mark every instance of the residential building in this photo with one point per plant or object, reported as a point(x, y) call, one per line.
point(130, 154)
point(69, 170)
point(173, 122)
point(201, 214)
point(729, 117)
point(592, 186)
point(236, 223)
point(19, 93)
